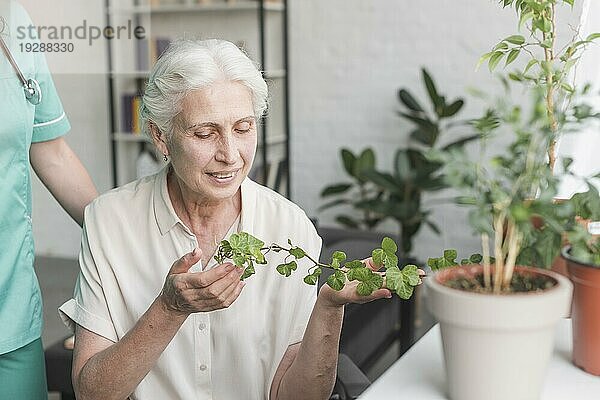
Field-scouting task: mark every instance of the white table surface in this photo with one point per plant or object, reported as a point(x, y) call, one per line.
point(419, 373)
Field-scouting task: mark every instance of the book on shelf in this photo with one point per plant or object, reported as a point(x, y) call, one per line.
point(149, 51)
point(130, 109)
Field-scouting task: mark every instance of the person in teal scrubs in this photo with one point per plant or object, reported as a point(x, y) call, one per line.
point(29, 135)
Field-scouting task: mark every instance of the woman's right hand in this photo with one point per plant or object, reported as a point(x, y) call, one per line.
point(186, 292)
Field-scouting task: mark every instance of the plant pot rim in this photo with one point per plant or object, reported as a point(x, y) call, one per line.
point(560, 280)
point(565, 252)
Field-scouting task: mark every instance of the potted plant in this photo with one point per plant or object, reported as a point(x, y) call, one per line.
point(549, 69)
point(583, 261)
point(376, 196)
point(494, 314)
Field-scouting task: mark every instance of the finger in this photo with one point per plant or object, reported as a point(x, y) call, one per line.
point(371, 264)
point(225, 301)
point(421, 272)
point(215, 290)
point(186, 262)
point(376, 295)
point(207, 278)
point(236, 293)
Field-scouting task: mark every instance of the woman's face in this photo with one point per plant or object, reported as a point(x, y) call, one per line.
point(214, 140)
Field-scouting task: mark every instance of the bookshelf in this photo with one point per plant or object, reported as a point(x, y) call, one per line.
point(257, 26)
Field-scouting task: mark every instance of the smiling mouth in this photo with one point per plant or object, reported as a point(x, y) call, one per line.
point(223, 175)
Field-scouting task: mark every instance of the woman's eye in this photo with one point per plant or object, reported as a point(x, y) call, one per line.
point(203, 134)
point(243, 127)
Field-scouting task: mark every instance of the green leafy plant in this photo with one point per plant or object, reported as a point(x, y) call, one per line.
point(548, 69)
point(508, 193)
point(246, 251)
point(356, 192)
point(380, 195)
point(548, 66)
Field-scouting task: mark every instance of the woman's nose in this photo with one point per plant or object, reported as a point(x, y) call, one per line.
point(226, 153)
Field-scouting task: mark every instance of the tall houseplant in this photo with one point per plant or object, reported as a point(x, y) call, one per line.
point(550, 63)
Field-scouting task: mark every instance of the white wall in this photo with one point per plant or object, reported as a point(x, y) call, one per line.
point(348, 59)
point(83, 91)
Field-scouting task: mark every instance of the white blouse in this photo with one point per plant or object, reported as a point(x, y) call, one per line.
point(131, 238)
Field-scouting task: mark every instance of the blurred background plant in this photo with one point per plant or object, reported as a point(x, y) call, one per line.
point(375, 196)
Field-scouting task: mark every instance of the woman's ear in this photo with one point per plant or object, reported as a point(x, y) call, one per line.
point(159, 139)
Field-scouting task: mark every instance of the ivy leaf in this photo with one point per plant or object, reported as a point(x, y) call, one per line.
point(447, 260)
point(450, 256)
point(313, 278)
point(260, 259)
point(239, 259)
point(297, 252)
point(354, 264)
point(359, 274)
point(476, 258)
point(465, 261)
point(248, 272)
point(287, 269)
point(369, 285)
point(337, 280)
point(410, 274)
point(405, 290)
point(337, 259)
point(234, 241)
point(377, 256)
point(389, 246)
point(393, 278)
point(254, 243)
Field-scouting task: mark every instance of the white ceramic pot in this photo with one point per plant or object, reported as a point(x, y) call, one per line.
point(497, 347)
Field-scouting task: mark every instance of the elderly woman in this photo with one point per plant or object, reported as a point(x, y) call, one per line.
point(200, 333)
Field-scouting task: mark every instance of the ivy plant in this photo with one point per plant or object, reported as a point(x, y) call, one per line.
point(246, 251)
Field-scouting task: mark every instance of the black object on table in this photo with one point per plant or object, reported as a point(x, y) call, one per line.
point(59, 362)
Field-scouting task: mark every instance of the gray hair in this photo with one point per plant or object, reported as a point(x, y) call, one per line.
point(189, 65)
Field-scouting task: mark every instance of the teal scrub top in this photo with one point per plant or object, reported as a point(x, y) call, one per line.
point(21, 124)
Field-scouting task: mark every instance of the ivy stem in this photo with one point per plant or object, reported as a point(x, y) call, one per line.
point(275, 246)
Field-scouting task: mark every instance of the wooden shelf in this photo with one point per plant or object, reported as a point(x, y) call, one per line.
point(241, 5)
point(275, 74)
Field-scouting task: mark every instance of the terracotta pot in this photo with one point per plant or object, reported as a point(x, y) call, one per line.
point(585, 314)
point(497, 347)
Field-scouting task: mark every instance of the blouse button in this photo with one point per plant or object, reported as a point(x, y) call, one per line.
point(203, 367)
point(202, 326)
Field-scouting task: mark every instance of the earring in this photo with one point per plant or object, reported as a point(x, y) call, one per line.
point(165, 157)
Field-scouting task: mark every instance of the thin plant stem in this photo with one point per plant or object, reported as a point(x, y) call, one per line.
point(513, 239)
point(487, 271)
point(499, 230)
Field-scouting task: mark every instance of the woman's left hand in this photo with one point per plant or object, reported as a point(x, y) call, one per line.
point(338, 298)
